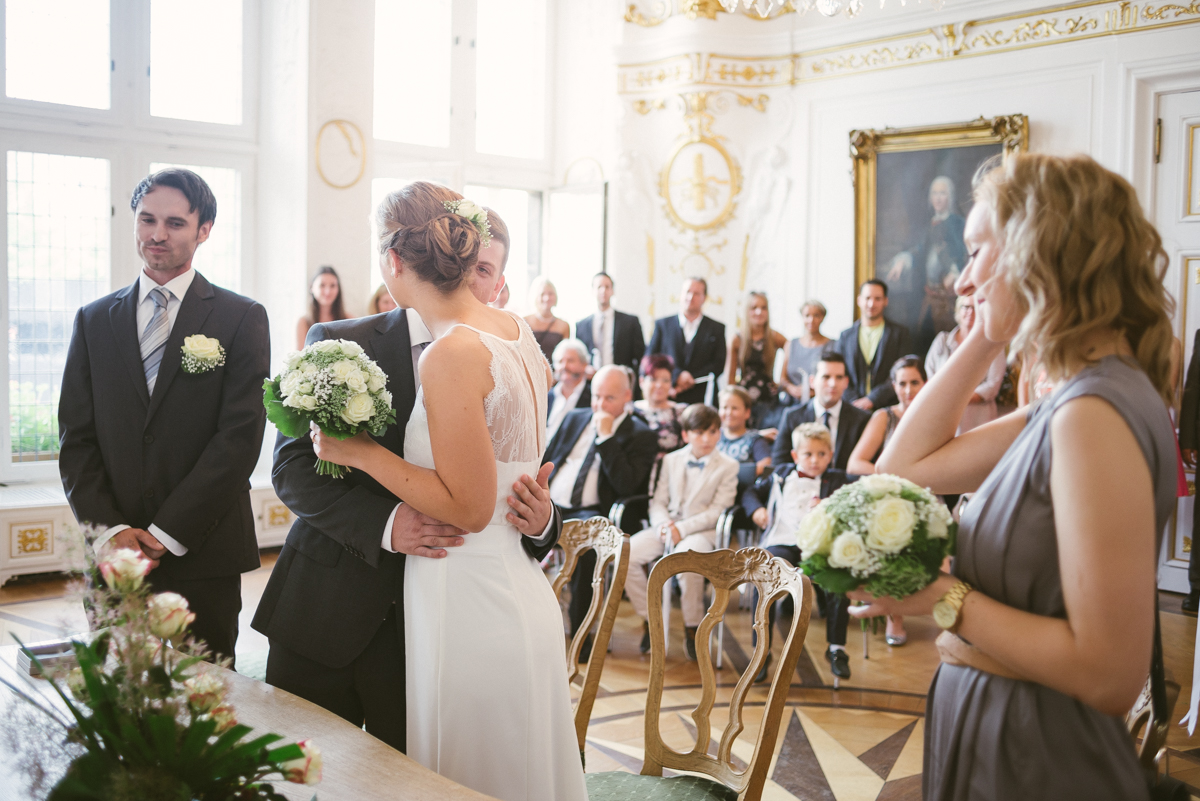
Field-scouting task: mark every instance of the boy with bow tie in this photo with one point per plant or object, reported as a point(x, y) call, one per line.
point(696, 483)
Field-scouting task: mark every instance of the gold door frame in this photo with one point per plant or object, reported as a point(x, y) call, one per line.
point(1011, 131)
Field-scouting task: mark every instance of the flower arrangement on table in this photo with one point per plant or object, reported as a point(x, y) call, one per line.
point(331, 383)
point(148, 721)
point(882, 533)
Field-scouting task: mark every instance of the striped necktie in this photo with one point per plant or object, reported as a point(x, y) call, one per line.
point(154, 338)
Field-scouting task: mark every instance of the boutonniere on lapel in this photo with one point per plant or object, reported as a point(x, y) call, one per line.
point(201, 354)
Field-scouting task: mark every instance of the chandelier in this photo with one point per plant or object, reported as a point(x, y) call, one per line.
point(829, 8)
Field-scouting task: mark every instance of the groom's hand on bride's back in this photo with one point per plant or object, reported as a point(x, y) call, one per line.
point(417, 534)
point(530, 503)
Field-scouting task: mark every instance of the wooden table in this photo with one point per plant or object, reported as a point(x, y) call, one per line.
point(357, 766)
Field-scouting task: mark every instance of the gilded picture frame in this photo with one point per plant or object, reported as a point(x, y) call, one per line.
point(898, 194)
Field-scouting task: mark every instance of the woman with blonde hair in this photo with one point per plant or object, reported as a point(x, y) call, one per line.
point(1050, 611)
point(801, 355)
point(751, 360)
point(380, 302)
point(486, 684)
point(548, 330)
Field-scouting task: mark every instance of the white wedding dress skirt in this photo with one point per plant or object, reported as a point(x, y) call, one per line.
point(488, 702)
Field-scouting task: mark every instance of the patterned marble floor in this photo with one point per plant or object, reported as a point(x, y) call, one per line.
point(860, 742)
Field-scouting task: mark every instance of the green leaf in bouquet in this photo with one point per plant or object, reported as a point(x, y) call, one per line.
point(289, 421)
point(285, 753)
point(162, 730)
point(832, 579)
point(195, 740)
point(900, 576)
point(89, 777)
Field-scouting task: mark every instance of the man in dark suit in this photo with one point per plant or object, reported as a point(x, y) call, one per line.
point(694, 341)
point(332, 606)
point(1189, 443)
point(572, 389)
point(828, 407)
point(871, 346)
point(157, 454)
point(610, 336)
point(599, 455)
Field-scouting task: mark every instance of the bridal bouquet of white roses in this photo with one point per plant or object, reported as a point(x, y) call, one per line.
point(331, 383)
point(882, 533)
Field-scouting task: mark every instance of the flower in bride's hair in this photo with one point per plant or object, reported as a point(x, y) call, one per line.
point(477, 216)
point(124, 569)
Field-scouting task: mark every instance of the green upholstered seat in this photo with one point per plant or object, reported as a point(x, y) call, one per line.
point(615, 786)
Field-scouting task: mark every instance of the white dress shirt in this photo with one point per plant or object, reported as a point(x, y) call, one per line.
point(791, 508)
point(564, 480)
point(177, 287)
point(835, 414)
point(561, 405)
point(690, 327)
point(604, 322)
point(418, 338)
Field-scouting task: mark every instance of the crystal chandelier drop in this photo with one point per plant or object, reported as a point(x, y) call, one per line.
point(828, 8)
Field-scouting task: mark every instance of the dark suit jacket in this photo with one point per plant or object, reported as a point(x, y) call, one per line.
point(181, 458)
point(625, 458)
point(852, 421)
point(1189, 414)
point(757, 496)
point(706, 353)
point(629, 345)
point(333, 583)
point(584, 402)
point(894, 344)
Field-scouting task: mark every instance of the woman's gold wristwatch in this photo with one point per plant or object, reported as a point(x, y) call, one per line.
point(947, 612)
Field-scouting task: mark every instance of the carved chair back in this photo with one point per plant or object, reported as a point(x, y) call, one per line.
point(612, 548)
point(726, 570)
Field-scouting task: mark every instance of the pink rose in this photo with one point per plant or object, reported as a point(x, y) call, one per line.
point(306, 769)
point(124, 569)
point(169, 615)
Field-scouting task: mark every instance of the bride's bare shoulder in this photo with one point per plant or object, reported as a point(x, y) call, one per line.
point(451, 357)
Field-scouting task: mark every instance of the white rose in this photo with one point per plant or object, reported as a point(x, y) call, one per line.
point(468, 209)
point(849, 552)
point(308, 368)
point(815, 534)
point(938, 525)
point(306, 769)
point(356, 381)
point(290, 384)
point(169, 615)
point(205, 692)
point(341, 371)
point(880, 484)
point(890, 524)
point(350, 349)
point(124, 569)
point(292, 360)
point(386, 397)
point(201, 347)
point(327, 346)
point(359, 409)
point(375, 383)
point(299, 401)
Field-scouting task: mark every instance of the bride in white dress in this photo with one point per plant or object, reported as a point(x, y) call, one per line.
point(488, 700)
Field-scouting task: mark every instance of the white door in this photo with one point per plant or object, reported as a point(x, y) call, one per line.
point(1177, 217)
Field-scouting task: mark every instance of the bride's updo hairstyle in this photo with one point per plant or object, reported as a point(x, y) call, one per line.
point(1079, 254)
point(439, 245)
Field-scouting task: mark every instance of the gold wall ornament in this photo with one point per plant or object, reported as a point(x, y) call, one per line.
point(643, 106)
point(699, 184)
point(758, 103)
point(31, 539)
point(1193, 184)
point(662, 11)
point(700, 9)
point(872, 59)
point(650, 260)
point(1010, 132)
point(745, 265)
point(1174, 11)
point(345, 154)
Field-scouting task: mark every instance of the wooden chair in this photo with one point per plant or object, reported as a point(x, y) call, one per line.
point(725, 570)
point(612, 548)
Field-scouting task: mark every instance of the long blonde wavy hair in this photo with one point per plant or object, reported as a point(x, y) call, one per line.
point(1080, 255)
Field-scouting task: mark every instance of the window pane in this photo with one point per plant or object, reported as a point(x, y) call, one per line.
point(57, 52)
point(196, 60)
point(59, 218)
point(513, 207)
point(510, 78)
point(575, 247)
point(412, 71)
point(220, 258)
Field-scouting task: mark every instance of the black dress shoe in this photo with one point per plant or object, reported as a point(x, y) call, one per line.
point(689, 642)
point(762, 674)
point(645, 646)
point(1191, 604)
point(839, 662)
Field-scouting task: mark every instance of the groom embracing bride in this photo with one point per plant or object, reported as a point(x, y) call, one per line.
point(339, 609)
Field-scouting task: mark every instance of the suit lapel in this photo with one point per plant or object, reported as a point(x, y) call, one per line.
point(843, 436)
point(391, 349)
point(878, 361)
point(679, 341)
point(568, 435)
point(701, 480)
point(193, 311)
point(122, 315)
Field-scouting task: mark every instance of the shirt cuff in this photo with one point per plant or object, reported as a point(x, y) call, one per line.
point(545, 537)
point(387, 531)
point(103, 539)
point(170, 543)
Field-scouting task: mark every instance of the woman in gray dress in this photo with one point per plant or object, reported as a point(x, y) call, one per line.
point(1050, 610)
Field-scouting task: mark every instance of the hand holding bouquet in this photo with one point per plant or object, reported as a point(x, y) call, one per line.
point(331, 383)
point(882, 533)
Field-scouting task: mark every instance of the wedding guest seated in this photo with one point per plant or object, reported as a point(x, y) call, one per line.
point(599, 455)
point(844, 421)
point(572, 390)
point(548, 330)
point(779, 501)
point(751, 450)
point(656, 407)
point(324, 303)
point(802, 353)
point(693, 340)
point(870, 347)
point(381, 302)
point(751, 362)
point(908, 378)
point(982, 408)
point(696, 484)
